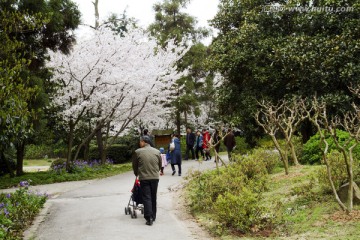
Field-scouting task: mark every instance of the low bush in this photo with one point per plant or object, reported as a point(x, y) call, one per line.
point(338, 172)
point(267, 158)
point(265, 142)
point(241, 146)
point(232, 196)
point(312, 154)
point(17, 210)
point(242, 212)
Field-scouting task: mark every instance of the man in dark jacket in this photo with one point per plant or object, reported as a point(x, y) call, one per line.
point(230, 143)
point(146, 133)
point(190, 141)
point(146, 166)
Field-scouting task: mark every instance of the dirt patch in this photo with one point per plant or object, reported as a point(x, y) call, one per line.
point(341, 216)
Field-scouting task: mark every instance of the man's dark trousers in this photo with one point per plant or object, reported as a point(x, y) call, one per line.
point(149, 191)
point(189, 148)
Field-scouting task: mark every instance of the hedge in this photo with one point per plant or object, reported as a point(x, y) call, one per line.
point(119, 153)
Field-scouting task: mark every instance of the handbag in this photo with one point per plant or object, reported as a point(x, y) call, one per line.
point(172, 146)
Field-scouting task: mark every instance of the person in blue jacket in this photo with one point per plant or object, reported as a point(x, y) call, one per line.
point(199, 145)
point(176, 155)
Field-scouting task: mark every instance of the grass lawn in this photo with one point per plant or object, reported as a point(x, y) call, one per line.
point(37, 162)
point(48, 177)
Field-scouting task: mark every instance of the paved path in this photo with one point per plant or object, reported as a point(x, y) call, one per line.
point(94, 209)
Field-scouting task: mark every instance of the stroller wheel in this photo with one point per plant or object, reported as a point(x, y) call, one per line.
point(134, 213)
point(142, 211)
point(129, 210)
point(126, 211)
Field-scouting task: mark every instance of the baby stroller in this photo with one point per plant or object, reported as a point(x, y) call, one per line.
point(135, 202)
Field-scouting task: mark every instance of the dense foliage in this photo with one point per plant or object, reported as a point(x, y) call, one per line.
point(273, 55)
point(30, 29)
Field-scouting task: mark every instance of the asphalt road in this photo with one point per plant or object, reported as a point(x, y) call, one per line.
point(94, 209)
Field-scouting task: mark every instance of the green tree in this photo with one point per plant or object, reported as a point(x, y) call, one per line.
point(172, 23)
point(15, 91)
point(274, 55)
point(54, 31)
point(120, 23)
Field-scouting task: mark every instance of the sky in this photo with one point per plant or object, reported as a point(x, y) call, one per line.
point(142, 10)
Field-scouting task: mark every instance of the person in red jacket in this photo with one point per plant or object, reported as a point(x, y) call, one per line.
point(206, 144)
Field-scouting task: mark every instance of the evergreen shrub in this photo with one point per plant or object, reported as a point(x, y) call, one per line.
point(312, 154)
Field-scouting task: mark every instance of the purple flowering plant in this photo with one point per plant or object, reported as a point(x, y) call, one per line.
point(79, 166)
point(18, 209)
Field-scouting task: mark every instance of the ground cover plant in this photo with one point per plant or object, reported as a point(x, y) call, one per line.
point(80, 170)
point(17, 210)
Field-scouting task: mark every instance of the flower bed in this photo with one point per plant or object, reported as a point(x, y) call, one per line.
point(18, 209)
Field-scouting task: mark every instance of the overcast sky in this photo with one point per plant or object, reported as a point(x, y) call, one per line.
point(142, 10)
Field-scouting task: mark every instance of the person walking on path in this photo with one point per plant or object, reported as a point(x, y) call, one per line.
point(146, 133)
point(206, 144)
point(230, 143)
point(176, 155)
point(146, 165)
point(190, 141)
point(163, 160)
point(199, 145)
point(216, 142)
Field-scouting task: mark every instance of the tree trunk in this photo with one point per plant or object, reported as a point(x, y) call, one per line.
point(20, 151)
point(100, 144)
point(178, 122)
point(96, 6)
point(328, 170)
point(293, 153)
point(70, 145)
point(185, 119)
point(350, 179)
point(283, 155)
point(87, 151)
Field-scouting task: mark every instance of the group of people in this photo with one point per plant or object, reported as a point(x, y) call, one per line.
point(148, 162)
point(201, 142)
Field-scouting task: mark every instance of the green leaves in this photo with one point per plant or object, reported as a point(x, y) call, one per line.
point(274, 55)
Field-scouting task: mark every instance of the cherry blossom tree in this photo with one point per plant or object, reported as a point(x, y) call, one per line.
point(114, 79)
